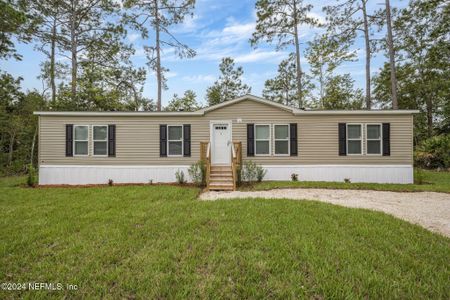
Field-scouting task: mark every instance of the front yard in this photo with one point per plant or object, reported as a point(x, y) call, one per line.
point(432, 182)
point(161, 242)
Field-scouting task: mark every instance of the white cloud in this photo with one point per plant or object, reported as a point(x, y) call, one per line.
point(260, 55)
point(170, 74)
point(189, 25)
point(133, 36)
point(318, 16)
point(199, 78)
point(239, 30)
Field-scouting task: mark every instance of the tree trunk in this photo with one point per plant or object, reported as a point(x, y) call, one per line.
point(11, 147)
point(367, 43)
point(429, 106)
point(297, 58)
point(321, 87)
point(391, 56)
point(158, 57)
point(74, 48)
point(33, 143)
point(52, 61)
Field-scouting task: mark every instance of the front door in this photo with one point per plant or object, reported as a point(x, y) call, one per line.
point(221, 143)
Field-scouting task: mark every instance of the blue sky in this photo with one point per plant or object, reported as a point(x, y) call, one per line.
point(218, 29)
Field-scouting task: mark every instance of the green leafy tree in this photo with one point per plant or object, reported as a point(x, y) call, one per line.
point(345, 20)
point(186, 103)
point(391, 53)
point(15, 23)
point(229, 85)
point(341, 94)
point(48, 14)
point(278, 21)
point(423, 68)
point(157, 16)
point(283, 88)
point(18, 130)
point(324, 55)
point(88, 27)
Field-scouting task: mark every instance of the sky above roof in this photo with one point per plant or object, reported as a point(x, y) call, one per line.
point(217, 29)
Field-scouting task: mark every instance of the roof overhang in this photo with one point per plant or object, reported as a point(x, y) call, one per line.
point(357, 112)
point(201, 112)
point(115, 113)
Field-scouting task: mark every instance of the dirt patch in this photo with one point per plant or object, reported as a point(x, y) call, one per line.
point(428, 209)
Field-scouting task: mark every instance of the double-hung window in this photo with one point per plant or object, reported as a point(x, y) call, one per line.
point(281, 133)
point(100, 139)
point(81, 139)
point(262, 139)
point(175, 140)
point(373, 138)
point(354, 139)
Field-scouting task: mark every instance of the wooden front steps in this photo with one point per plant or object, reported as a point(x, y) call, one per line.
point(221, 178)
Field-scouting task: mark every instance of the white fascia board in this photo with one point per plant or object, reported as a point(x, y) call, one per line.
point(115, 114)
point(356, 112)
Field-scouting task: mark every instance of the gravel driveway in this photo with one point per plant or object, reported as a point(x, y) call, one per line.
point(428, 209)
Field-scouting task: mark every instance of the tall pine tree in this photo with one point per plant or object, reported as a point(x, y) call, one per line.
point(278, 21)
point(229, 85)
point(156, 17)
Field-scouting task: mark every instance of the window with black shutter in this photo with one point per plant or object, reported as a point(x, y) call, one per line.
point(69, 140)
point(250, 140)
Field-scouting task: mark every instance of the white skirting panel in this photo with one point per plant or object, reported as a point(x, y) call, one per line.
point(72, 174)
point(356, 173)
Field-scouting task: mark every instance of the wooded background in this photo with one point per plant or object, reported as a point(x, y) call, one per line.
point(98, 75)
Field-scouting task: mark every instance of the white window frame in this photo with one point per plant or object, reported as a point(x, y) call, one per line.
point(288, 140)
point(352, 139)
point(182, 141)
point(75, 140)
point(269, 140)
point(93, 141)
point(379, 139)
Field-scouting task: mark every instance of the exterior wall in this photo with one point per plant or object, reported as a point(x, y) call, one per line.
point(137, 141)
point(355, 173)
point(81, 175)
point(100, 174)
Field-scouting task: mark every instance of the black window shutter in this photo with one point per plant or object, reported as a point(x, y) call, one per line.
point(186, 140)
point(386, 139)
point(69, 139)
point(162, 140)
point(293, 135)
point(111, 140)
point(342, 139)
point(250, 140)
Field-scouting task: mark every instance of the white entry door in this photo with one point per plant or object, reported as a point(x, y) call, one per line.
point(221, 143)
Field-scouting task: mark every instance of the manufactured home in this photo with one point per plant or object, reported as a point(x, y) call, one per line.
point(79, 148)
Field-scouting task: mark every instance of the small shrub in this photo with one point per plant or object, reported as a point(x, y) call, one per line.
point(260, 173)
point(251, 172)
point(150, 181)
point(294, 177)
point(347, 180)
point(418, 176)
point(197, 173)
point(32, 176)
point(433, 153)
point(248, 171)
point(179, 175)
point(110, 182)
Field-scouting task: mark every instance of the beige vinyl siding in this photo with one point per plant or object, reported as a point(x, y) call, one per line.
point(137, 137)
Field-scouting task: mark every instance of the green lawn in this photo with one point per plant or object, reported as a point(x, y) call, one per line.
point(160, 242)
point(432, 181)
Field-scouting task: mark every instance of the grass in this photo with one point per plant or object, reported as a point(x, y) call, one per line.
point(160, 242)
point(433, 181)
